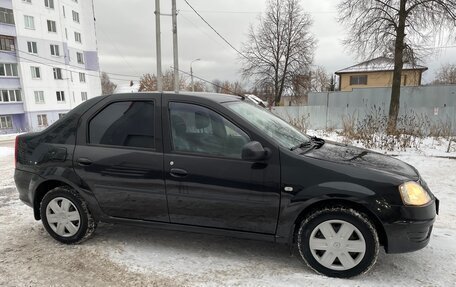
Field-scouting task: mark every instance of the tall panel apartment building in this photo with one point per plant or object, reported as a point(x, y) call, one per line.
point(48, 61)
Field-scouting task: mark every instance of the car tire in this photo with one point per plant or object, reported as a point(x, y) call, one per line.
point(65, 216)
point(338, 242)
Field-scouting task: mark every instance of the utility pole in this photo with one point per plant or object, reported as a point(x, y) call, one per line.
point(158, 44)
point(175, 48)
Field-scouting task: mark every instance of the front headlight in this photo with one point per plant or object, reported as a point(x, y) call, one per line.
point(413, 194)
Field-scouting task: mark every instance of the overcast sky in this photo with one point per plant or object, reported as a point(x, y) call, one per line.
point(126, 37)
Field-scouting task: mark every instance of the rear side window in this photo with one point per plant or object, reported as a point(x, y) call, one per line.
point(125, 124)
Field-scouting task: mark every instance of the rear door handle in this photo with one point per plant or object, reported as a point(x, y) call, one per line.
point(82, 161)
point(177, 172)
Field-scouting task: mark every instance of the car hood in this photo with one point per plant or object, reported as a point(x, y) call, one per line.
point(363, 158)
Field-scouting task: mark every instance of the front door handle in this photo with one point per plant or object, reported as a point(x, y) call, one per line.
point(82, 161)
point(177, 172)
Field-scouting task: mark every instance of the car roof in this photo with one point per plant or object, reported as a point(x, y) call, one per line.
point(219, 98)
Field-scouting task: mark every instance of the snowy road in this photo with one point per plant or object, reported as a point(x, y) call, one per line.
point(132, 256)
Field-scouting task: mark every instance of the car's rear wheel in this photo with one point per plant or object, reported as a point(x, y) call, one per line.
point(65, 216)
point(338, 242)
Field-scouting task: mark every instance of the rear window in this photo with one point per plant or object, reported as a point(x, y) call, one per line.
point(124, 124)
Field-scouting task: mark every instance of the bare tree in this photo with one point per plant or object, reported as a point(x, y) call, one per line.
point(107, 87)
point(148, 82)
point(407, 25)
point(446, 75)
point(320, 80)
point(280, 48)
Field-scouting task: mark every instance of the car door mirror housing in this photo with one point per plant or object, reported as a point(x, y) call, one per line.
point(254, 151)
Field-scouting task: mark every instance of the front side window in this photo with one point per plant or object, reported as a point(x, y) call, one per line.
point(124, 124)
point(196, 129)
point(274, 127)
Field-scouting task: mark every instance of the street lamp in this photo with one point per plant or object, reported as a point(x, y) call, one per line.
point(191, 72)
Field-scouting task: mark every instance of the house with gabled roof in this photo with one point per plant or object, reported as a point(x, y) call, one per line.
point(378, 72)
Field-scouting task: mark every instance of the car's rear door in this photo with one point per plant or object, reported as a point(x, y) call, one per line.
point(208, 184)
point(119, 156)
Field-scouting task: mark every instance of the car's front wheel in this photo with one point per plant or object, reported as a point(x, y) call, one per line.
point(65, 215)
point(338, 242)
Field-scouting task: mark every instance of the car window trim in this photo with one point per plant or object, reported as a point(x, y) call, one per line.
point(200, 154)
point(87, 126)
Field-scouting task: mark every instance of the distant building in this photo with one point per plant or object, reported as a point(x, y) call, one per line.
point(48, 61)
point(378, 72)
point(132, 87)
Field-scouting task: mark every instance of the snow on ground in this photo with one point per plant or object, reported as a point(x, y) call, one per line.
point(127, 256)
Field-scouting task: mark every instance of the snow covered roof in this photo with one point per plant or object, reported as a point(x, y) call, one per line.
point(379, 64)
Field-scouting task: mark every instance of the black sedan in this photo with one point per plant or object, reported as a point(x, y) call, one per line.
point(220, 164)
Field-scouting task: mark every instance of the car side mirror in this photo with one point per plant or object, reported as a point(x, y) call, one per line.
point(254, 151)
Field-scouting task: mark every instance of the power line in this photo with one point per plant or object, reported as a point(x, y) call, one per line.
point(53, 66)
point(58, 62)
point(223, 38)
point(209, 82)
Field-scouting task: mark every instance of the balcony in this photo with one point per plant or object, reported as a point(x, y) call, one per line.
point(11, 108)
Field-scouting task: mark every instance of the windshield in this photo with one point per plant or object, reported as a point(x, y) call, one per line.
point(277, 129)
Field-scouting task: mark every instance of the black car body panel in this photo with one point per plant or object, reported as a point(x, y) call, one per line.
point(164, 188)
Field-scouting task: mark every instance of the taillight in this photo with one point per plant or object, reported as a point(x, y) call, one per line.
point(16, 151)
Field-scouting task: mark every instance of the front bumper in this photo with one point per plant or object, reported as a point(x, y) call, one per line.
point(413, 230)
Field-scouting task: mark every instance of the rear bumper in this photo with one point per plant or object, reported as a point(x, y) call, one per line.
point(413, 231)
point(22, 180)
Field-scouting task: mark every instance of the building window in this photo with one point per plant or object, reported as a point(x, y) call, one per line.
point(77, 37)
point(42, 120)
point(7, 96)
point(27, 1)
point(32, 47)
point(75, 16)
point(80, 58)
point(358, 80)
point(52, 26)
point(55, 50)
point(6, 122)
point(49, 3)
point(36, 73)
point(84, 96)
point(64, 13)
point(61, 115)
point(82, 77)
point(29, 22)
point(6, 16)
point(57, 73)
point(39, 97)
point(7, 43)
point(60, 96)
point(8, 70)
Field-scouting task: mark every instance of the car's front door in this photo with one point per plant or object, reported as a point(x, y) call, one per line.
point(119, 157)
point(207, 182)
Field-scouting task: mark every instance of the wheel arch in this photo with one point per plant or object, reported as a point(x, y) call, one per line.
point(340, 203)
point(41, 190)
